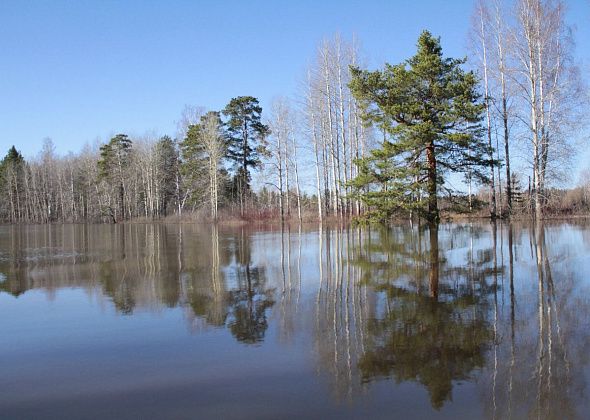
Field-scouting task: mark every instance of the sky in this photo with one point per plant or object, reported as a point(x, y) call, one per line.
point(78, 71)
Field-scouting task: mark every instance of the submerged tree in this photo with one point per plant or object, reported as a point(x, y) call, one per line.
point(246, 141)
point(431, 111)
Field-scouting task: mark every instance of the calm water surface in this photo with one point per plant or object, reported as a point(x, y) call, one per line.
point(183, 321)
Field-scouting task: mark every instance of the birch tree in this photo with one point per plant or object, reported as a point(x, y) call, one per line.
point(311, 118)
point(216, 148)
point(283, 148)
point(202, 152)
point(332, 124)
point(482, 20)
point(276, 145)
point(549, 88)
point(501, 75)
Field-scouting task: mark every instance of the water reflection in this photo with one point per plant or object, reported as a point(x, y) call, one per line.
point(432, 325)
point(250, 299)
point(501, 310)
point(539, 367)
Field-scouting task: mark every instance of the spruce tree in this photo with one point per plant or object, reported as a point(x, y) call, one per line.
point(430, 112)
point(12, 177)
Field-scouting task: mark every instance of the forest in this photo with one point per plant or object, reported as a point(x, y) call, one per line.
point(493, 134)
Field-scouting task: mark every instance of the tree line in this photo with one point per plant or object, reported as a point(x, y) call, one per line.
point(126, 179)
point(354, 143)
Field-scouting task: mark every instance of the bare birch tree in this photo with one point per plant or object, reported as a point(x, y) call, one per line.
point(283, 149)
point(215, 148)
point(549, 87)
point(332, 124)
point(482, 20)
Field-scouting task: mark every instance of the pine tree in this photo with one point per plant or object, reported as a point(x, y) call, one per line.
point(430, 110)
point(246, 141)
point(115, 159)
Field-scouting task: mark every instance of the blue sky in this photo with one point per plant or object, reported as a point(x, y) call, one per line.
point(76, 71)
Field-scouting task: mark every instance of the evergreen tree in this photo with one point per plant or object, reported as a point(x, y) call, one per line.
point(115, 159)
point(13, 156)
point(194, 164)
point(12, 159)
point(430, 110)
point(12, 174)
point(202, 151)
point(167, 167)
point(246, 141)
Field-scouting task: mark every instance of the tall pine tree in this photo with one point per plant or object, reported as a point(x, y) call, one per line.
point(114, 162)
point(430, 112)
point(246, 141)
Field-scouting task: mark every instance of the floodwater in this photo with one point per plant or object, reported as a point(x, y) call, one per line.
point(187, 321)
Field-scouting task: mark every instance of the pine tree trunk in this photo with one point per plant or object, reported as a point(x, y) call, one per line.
point(432, 199)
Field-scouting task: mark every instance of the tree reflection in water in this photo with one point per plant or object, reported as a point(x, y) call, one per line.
point(503, 307)
point(428, 323)
point(234, 293)
point(541, 336)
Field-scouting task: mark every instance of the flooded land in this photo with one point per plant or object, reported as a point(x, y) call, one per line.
point(469, 320)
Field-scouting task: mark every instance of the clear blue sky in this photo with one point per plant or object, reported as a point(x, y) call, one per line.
point(79, 70)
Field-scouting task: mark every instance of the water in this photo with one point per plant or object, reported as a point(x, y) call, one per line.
point(185, 321)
